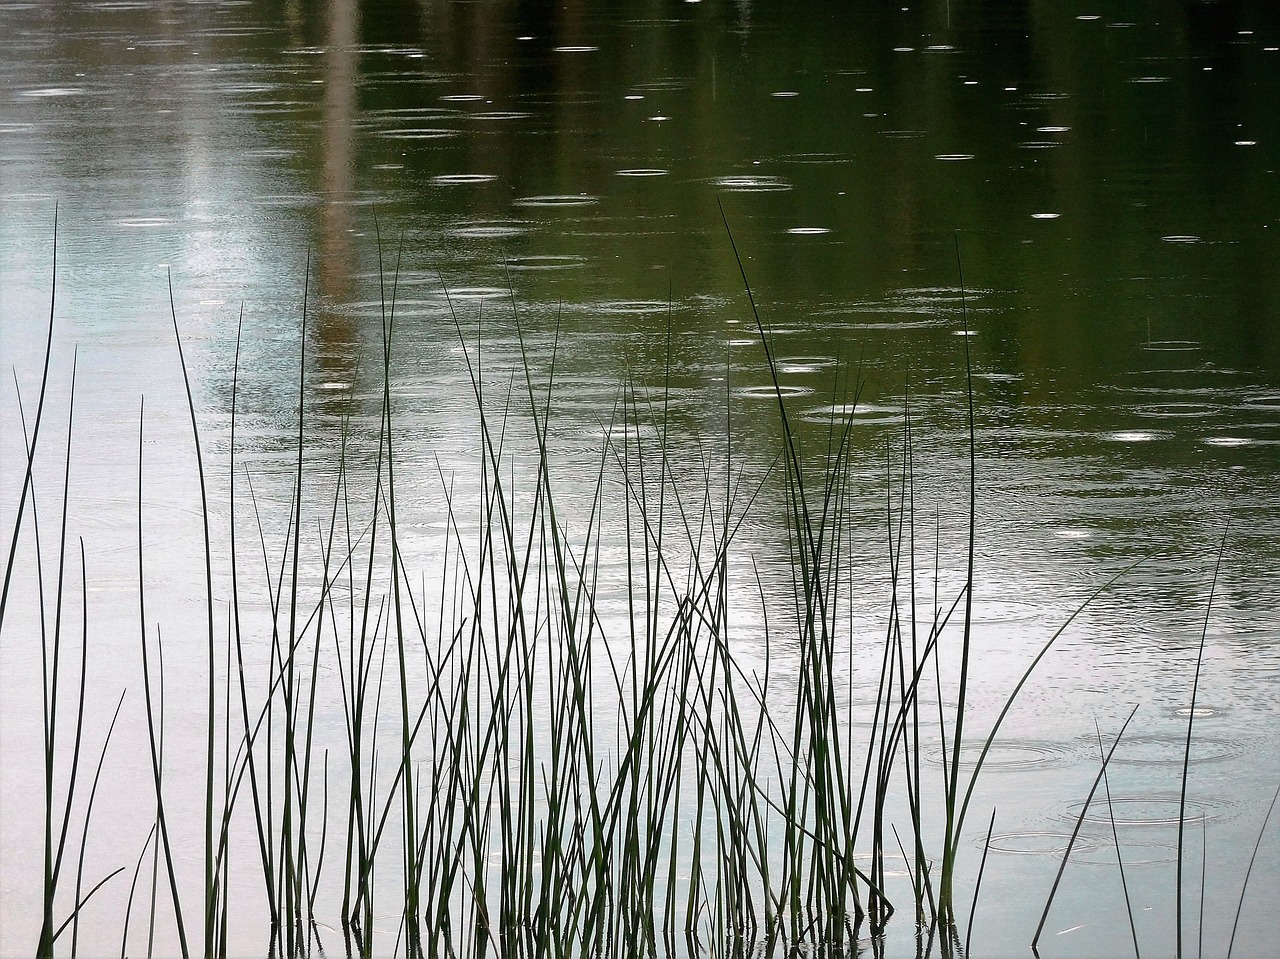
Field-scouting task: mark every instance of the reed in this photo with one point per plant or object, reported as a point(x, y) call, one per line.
point(554, 744)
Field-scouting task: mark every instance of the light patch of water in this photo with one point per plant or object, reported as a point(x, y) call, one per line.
point(808, 230)
point(1181, 238)
point(641, 172)
point(575, 49)
point(953, 156)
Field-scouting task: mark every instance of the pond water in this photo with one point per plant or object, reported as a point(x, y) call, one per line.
point(1083, 200)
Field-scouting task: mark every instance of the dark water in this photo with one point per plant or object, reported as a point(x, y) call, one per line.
point(1090, 192)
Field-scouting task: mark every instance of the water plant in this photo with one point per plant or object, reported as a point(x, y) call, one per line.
point(595, 729)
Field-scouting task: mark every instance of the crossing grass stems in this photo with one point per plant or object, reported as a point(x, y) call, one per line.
point(553, 788)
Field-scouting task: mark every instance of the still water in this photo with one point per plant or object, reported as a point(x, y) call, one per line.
point(1086, 197)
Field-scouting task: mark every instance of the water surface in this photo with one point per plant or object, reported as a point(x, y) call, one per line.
point(1085, 200)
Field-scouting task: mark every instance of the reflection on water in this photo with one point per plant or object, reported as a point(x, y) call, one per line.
point(545, 179)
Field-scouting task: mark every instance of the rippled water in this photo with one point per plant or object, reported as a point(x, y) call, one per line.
point(1091, 196)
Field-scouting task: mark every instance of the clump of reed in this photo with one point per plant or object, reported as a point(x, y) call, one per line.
point(522, 770)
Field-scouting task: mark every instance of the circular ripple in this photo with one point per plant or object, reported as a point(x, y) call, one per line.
point(488, 230)
point(1176, 410)
point(500, 115)
point(1269, 403)
point(1181, 238)
point(46, 92)
point(1037, 843)
point(770, 392)
point(462, 179)
point(804, 364)
point(545, 262)
point(575, 49)
point(1171, 346)
point(1136, 436)
point(1200, 712)
point(144, 222)
point(629, 307)
point(1139, 811)
point(1011, 755)
point(1136, 852)
point(861, 414)
point(477, 293)
point(1228, 442)
point(641, 171)
point(418, 133)
point(557, 200)
point(954, 156)
point(815, 158)
point(894, 864)
point(808, 230)
point(752, 184)
point(1169, 749)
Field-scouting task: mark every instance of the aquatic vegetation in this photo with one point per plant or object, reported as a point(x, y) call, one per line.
point(547, 748)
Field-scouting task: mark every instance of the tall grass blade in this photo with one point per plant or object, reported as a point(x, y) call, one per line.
point(1191, 718)
point(35, 429)
point(1084, 811)
point(1244, 886)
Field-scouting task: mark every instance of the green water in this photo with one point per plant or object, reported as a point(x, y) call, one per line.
point(1091, 192)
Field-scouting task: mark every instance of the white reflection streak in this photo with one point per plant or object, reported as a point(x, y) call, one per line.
point(341, 64)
